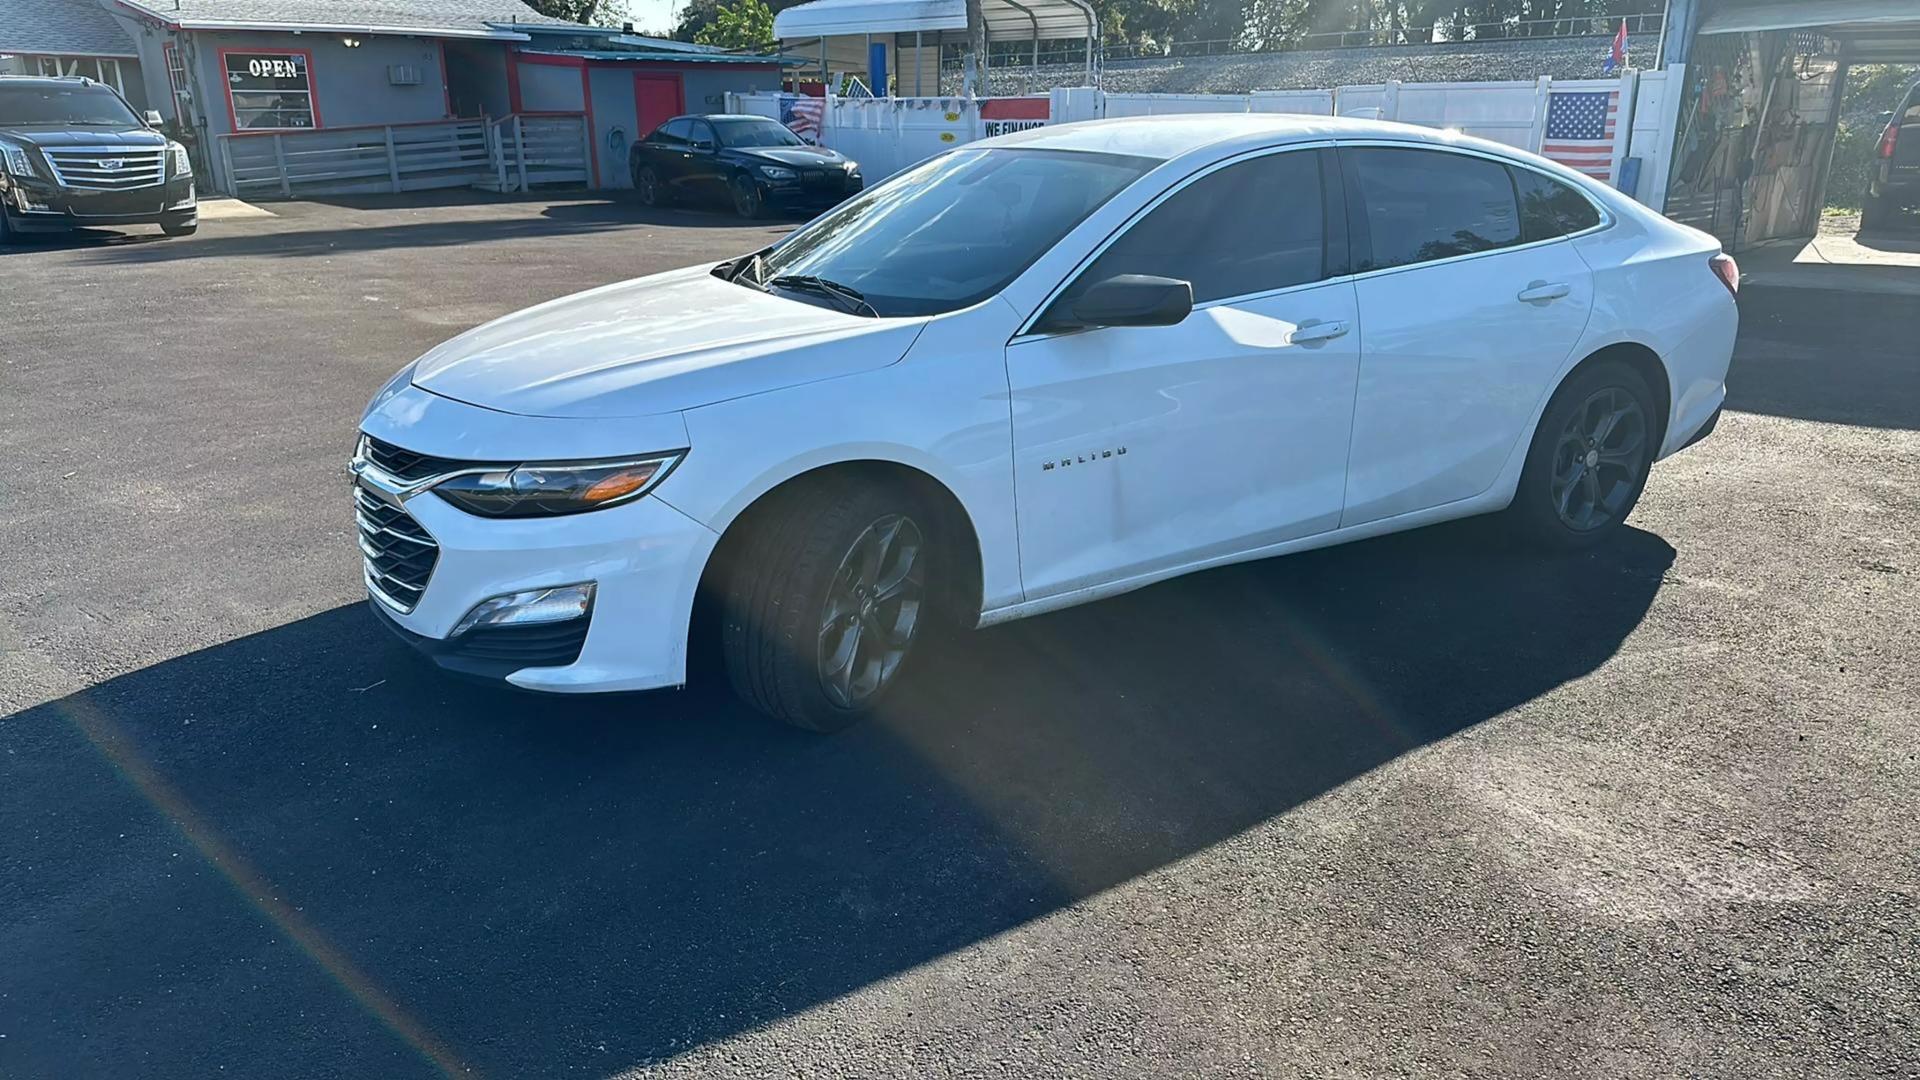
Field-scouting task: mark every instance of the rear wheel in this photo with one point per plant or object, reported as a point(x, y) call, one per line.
point(646, 183)
point(1589, 459)
point(826, 602)
point(1875, 215)
point(747, 199)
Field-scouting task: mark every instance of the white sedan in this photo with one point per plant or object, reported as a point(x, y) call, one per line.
point(1033, 372)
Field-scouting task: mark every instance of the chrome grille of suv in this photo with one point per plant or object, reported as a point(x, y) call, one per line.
point(108, 168)
point(400, 555)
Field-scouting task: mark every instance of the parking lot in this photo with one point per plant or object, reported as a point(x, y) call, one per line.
point(1422, 806)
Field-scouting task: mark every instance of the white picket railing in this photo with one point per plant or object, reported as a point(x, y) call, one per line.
point(507, 155)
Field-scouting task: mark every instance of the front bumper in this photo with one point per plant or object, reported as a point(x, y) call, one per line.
point(644, 558)
point(40, 206)
point(818, 193)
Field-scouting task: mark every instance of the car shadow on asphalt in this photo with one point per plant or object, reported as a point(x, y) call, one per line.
point(556, 886)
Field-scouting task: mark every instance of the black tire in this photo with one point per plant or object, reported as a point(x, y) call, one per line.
point(647, 184)
point(779, 613)
point(7, 236)
point(179, 230)
point(1875, 216)
point(748, 201)
point(1567, 471)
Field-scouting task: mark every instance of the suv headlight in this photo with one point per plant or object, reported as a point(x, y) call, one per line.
point(775, 172)
point(182, 165)
point(16, 159)
point(559, 488)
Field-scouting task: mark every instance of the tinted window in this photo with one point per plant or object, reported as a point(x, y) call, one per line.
point(673, 132)
point(1421, 205)
point(1549, 208)
point(63, 103)
point(702, 132)
point(1247, 228)
point(955, 229)
point(755, 132)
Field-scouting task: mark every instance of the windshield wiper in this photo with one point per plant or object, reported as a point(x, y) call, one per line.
point(849, 299)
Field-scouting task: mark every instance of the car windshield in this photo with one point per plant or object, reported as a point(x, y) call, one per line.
point(755, 133)
point(63, 103)
point(954, 230)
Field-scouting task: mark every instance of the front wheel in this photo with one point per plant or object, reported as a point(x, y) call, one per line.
point(748, 202)
point(1589, 459)
point(826, 602)
point(6, 229)
point(180, 229)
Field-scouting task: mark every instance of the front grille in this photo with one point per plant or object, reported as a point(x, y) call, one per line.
point(408, 465)
point(108, 168)
point(400, 555)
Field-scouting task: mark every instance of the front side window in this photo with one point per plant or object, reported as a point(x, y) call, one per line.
point(1549, 208)
point(1251, 227)
point(701, 134)
point(1422, 205)
point(270, 90)
point(673, 133)
point(955, 229)
point(63, 104)
point(755, 133)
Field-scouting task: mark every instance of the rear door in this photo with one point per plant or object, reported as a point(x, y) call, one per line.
point(702, 179)
point(1465, 322)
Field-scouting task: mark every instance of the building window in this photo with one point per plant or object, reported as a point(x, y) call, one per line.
point(177, 79)
point(267, 91)
point(106, 71)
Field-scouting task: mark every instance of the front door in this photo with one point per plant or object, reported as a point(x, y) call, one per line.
point(1467, 322)
point(1142, 449)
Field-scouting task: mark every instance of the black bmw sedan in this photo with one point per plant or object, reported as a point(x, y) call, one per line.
point(749, 162)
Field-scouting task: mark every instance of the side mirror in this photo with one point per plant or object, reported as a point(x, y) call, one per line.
point(1127, 300)
point(152, 118)
point(703, 146)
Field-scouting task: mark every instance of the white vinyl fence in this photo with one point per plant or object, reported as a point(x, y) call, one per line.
point(507, 154)
point(888, 134)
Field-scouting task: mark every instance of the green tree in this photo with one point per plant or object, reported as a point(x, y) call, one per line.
point(743, 24)
point(584, 12)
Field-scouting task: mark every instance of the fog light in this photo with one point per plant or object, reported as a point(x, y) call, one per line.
point(530, 608)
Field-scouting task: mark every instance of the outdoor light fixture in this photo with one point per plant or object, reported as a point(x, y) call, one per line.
point(350, 42)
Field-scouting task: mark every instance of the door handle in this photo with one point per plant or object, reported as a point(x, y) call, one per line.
point(1544, 290)
point(1317, 330)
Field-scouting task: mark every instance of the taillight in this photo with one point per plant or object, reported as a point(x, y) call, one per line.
point(1727, 271)
point(1889, 137)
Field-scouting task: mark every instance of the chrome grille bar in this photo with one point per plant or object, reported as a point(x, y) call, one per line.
point(399, 553)
point(88, 166)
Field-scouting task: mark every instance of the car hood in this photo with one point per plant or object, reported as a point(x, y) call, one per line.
point(802, 156)
point(657, 344)
point(51, 136)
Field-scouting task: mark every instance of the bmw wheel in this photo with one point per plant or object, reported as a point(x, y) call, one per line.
point(647, 183)
point(748, 202)
point(830, 595)
point(1589, 459)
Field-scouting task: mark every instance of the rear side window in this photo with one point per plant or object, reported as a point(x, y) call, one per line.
point(1421, 205)
point(1549, 208)
point(1251, 227)
point(673, 132)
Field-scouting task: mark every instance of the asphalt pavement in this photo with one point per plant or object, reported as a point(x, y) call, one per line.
point(1423, 806)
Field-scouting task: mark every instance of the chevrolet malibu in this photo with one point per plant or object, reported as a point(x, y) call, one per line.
point(1033, 372)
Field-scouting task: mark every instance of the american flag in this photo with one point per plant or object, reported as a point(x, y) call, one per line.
point(802, 115)
point(1580, 130)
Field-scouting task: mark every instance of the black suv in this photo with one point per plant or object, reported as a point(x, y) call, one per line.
point(73, 153)
point(751, 162)
point(1894, 185)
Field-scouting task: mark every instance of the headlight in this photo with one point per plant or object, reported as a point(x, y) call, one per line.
point(18, 162)
point(182, 165)
point(561, 488)
point(775, 172)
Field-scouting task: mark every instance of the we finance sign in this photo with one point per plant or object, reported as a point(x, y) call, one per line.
point(998, 116)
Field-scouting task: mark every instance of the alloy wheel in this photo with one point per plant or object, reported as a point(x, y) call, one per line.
point(649, 186)
point(746, 198)
point(1599, 459)
point(872, 611)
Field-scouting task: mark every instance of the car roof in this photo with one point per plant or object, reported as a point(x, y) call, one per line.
point(52, 80)
point(1170, 137)
point(723, 116)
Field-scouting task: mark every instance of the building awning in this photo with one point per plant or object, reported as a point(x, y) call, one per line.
point(1874, 31)
point(662, 56)
point(1007, 20)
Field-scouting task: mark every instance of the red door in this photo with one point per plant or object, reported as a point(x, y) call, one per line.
point(657, 98)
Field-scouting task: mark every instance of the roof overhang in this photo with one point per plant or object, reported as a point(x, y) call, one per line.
point(1873, 31)
point(1007, 20)
point(483, 32)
